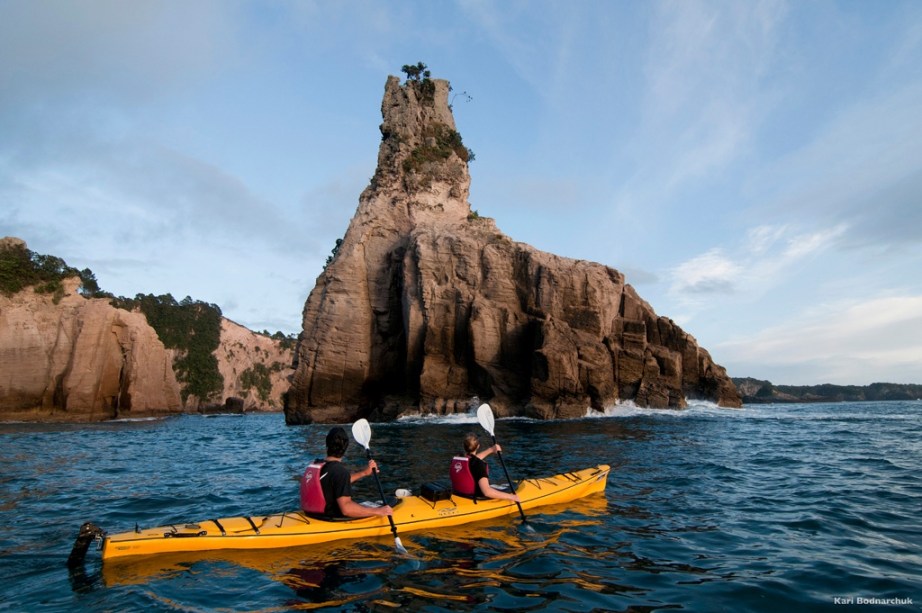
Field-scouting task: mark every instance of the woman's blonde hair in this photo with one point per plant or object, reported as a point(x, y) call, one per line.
point(471, 443)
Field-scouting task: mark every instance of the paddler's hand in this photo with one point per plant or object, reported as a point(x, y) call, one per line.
point(385, 510)
point(372, 466)
point(497, 448)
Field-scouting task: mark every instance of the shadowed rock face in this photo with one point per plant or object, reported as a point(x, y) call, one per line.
point(428, 307)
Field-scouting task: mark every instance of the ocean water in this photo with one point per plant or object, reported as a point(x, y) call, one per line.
point(770, 508)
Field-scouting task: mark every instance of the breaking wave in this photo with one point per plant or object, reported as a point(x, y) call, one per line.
point(431, 418)
point(629, 409)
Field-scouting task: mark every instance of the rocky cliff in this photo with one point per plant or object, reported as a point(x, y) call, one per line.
point(429, 307)
point(80, 360)
point(256, 369)
point(70, 358)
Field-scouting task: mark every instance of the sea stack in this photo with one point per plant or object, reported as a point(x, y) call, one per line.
point(428, 307)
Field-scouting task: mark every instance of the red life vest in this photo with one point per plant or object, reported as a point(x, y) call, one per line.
point(462, 481)
point(312, 498)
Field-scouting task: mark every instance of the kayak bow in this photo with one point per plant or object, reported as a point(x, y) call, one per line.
point(412, 513)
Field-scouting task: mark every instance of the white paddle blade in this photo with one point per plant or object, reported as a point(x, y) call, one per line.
point(361, 432)
point(485, 417)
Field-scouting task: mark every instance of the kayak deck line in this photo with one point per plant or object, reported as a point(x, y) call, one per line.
point(295, 528)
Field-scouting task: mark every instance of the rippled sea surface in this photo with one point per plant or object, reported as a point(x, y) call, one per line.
point(772, 508)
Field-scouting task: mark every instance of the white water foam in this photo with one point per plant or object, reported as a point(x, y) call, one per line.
point(629, 409)
point(431, 418)
point(455, 418)
point(621, 409)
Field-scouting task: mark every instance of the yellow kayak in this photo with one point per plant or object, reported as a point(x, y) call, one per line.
point(411, 513)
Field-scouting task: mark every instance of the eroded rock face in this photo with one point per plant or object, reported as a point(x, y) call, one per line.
point(256, 369)
point(428, 307)
point(80, 359)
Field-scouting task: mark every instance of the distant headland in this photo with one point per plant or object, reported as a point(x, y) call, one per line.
point(755, 391)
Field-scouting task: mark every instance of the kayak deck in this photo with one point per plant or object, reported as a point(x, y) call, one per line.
point(294, 528)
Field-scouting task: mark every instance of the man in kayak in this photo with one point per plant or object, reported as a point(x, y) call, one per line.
point(326, 487)
point(470, 475)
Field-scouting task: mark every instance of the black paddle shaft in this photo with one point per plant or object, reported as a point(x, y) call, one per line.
point(502, 463)
point(374, 472)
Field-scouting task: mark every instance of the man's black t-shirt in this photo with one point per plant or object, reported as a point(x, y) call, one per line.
point(336, 481)
point(479, 470)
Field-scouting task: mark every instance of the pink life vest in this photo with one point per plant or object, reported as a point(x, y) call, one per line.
point(462, 481)
point(312, 498)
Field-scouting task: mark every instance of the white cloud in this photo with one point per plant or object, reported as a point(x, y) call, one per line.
point(806, 244)
point(761, 238)
point(764, 260)
point(707, 273)
point(836, 343)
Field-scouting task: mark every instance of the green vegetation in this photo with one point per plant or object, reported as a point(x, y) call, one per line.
point(334, 251)
point(258, 377)
point(285, 341)
point(21, 267)
point(473, 215)
point(418, 78)
point(439, 142)
point(194, 329)
point(417, 72)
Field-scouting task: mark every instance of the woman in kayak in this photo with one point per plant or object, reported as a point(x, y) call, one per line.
point(470, 475)
point(326, 487)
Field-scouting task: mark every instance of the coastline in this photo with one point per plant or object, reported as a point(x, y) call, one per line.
point(54, 416)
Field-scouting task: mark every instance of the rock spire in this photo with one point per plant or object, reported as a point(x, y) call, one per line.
point(428, 307)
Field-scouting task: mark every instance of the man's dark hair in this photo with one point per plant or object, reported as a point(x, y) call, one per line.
point(337, 442)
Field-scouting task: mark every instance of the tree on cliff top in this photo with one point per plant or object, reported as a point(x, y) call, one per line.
point(418, 78)
point(414, 73)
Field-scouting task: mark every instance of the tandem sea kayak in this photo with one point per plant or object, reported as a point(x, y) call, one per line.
point(295, 528)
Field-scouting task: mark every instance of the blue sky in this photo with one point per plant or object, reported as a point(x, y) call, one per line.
point(754, 168)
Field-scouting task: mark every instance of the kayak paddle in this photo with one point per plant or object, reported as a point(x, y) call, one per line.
point(361, 432)
point(485, 417)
